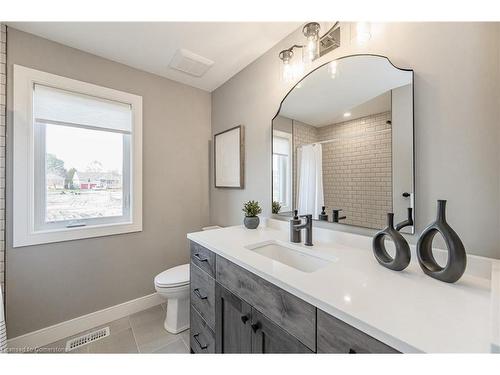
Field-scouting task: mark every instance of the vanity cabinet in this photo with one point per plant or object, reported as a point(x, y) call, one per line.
point(235, 311)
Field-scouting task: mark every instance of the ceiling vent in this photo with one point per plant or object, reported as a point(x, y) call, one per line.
point(190, 63)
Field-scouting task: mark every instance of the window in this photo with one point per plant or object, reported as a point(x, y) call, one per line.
point(282, 169)
point(77, 159)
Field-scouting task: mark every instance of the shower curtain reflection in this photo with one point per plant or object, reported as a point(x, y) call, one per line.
point(310, 179)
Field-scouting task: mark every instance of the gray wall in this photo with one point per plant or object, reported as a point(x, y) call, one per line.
point(51, 283)
point(456, 122)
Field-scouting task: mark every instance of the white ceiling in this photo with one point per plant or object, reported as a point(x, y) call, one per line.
point(378, 104)
point(150, 46)
point(359, 81)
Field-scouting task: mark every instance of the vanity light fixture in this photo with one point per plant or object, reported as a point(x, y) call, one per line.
point(315, 47)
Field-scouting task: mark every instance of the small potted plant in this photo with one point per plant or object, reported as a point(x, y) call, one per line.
point(276, 207)
point(251, 210)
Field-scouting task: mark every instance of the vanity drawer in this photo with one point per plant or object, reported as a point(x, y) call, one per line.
point(203, 294)
point(203, 258)
point(335, 336)
point(291, 313)
point(202, 338)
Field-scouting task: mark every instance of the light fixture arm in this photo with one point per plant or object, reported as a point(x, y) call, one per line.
point(287, 54)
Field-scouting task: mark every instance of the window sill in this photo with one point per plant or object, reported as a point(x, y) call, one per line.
point(72, 234)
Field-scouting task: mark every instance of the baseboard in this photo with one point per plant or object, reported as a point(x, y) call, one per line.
point(71, 327)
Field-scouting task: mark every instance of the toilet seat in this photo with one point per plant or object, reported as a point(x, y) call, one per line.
point(173, 277)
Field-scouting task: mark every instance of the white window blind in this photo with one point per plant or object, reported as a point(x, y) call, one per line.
point(61, 106)
point(281, 145)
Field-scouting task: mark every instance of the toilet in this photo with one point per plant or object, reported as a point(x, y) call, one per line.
point(173, 285)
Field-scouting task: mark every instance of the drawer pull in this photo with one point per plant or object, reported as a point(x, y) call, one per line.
point(200, 259)
point(244, 319)
point(202, 346)
point(198, 294)
point(255, 327)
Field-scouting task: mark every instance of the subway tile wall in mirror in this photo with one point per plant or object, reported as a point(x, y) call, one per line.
point(343, 140)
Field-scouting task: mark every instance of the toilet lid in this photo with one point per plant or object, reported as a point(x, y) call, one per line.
point(175, 276)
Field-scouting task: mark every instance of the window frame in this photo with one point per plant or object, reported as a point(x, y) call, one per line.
point(289, 182)
point(25, 230)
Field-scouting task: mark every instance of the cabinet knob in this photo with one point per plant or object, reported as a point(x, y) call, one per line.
point(200, 259)
point(198, 294)
point(244, 319)
point(255, 327)
point(202, 346)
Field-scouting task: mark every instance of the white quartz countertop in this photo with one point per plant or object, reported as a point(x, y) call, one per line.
point(407, 310)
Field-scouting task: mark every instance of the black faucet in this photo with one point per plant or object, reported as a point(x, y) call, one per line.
point(406, 223)
point(336, 216)
point(296, 228)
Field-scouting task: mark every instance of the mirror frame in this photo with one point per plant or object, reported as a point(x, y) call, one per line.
point(413, 197)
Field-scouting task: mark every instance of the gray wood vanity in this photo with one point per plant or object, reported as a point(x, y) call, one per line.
point(236, 311)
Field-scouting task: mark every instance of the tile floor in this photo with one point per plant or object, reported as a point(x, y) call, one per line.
point(141, 332)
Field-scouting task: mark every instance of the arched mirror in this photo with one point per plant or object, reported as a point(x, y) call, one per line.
point(343, 141)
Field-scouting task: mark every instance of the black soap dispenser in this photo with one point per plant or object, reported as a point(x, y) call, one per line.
point(323, 216)
point(295, 235)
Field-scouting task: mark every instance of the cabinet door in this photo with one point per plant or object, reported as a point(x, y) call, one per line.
point(267, 337)
point(335, 336)
point(232, 323)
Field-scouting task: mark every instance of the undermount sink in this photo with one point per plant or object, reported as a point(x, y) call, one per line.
point(292, 256)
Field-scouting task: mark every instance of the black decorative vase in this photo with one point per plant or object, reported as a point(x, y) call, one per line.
point(457, 259)
point(251, 222)
point(402, 257)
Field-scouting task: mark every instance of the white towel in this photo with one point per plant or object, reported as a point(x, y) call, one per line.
point(3, 329)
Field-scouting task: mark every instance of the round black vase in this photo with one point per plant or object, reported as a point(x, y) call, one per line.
point(402, 256)
point(251, 222)
point(457, 259)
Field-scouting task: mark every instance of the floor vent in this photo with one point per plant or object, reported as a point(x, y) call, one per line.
point(87, 339)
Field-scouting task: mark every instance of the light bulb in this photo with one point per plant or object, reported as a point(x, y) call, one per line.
point(363, 34)
point(332, 67)
point(287, 72)
point(311, 49)
point(291, 71)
